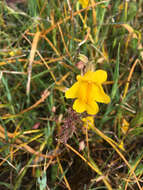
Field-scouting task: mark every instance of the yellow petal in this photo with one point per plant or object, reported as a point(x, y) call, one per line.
point(83, 91)
point(73, 91)
point(90, 94)
point(124, 126)
point(88, 121)
point(92, 108)
point(99, 94)
point(84, 3)
point(79, 106)
point(86, 77)
point(98, 76)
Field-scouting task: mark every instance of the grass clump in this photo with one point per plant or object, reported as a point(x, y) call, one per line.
point(44, 144)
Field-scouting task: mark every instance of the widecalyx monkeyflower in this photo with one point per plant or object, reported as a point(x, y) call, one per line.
point(87, 91)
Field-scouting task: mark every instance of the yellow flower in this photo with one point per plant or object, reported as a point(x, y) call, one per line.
point(88, 122)
point(87, 91)
point(124, 126)
point(84, 3)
